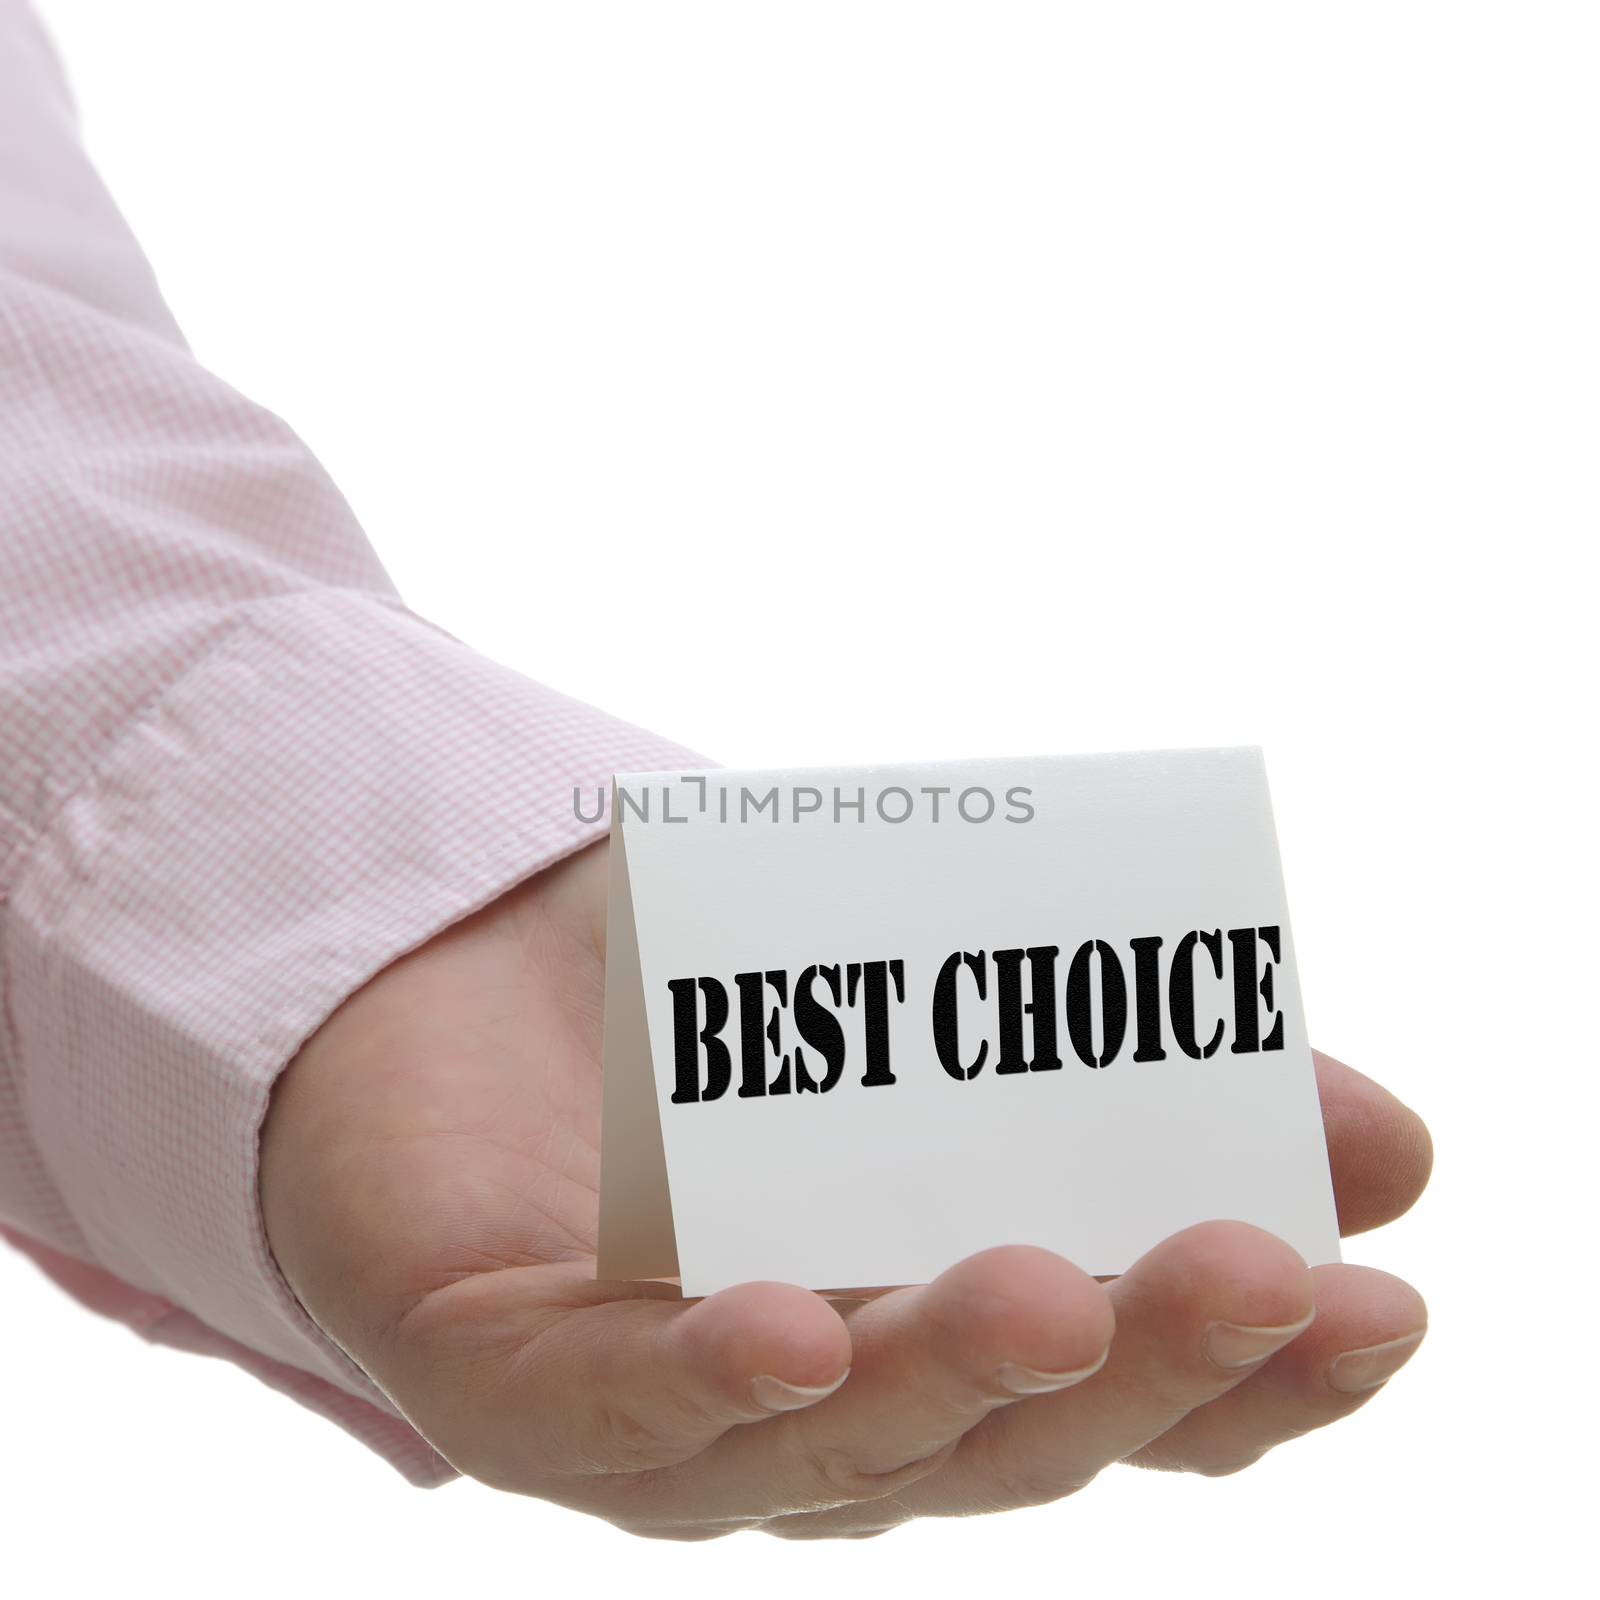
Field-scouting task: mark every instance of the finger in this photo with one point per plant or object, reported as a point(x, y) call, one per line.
point(927, 1363)
point(1379, 1150)
point(1195, 1316)
point(1368, 1326)
point(541, 1375)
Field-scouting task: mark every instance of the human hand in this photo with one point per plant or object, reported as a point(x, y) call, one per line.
point(430, 1181)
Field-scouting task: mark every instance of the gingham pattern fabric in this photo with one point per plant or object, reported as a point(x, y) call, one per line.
point(237, 778)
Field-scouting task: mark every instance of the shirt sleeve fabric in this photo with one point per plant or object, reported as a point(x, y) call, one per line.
point(237, 778)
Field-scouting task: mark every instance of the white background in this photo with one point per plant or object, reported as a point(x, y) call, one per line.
point(867, 381)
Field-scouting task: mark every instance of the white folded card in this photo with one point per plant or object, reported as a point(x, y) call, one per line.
point(862, 1022)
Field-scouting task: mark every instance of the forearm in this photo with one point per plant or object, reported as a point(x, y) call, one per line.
point(237, 776)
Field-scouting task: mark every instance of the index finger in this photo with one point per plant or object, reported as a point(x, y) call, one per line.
point(1379, 1149)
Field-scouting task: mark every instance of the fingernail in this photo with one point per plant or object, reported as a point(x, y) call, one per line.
point(1356, 1370)
point(1230, 1345)
point(1029, 1380)
point(773, 1394)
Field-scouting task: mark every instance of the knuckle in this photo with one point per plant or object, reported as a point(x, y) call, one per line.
point(836, 1475)
point(625, 1442)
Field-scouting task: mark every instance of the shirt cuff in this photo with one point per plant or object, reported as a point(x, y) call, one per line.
point(330, 783)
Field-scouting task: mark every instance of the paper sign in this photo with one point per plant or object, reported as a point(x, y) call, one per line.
point(861, 1023)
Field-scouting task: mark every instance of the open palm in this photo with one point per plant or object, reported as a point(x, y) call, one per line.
point(430, 1177)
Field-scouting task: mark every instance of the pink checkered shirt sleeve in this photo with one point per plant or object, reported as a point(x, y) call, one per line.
point(237, 778)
